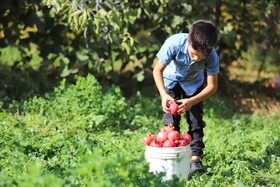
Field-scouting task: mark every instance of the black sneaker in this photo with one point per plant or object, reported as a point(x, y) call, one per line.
point(196, 166)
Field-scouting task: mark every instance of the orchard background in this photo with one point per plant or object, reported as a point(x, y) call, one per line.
point(77, 94)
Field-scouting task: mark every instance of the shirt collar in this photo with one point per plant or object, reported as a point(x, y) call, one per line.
point(184, 48)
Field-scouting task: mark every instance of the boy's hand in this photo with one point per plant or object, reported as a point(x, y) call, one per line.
point(165, 101)
point(185, 105)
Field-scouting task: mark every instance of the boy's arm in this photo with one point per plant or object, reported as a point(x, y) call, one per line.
point(158, 77)
point(210, 89)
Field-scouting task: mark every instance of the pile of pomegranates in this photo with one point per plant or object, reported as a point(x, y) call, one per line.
point(167, 137)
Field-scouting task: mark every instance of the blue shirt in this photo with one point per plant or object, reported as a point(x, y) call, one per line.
point(179, 66)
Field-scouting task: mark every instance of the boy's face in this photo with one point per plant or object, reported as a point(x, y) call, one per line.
point(194, 54)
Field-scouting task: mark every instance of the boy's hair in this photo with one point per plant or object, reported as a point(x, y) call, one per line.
point(203, 36)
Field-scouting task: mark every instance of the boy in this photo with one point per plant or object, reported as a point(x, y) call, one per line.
point(179, 77)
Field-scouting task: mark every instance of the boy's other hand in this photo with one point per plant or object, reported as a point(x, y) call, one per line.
point(185, 105)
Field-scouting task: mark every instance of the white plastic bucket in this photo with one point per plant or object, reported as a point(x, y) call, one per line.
point(171, 161)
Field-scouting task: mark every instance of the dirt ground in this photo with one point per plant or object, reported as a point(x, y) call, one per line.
point(251, 94)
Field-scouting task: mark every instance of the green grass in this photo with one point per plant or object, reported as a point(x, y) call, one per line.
point(83, 135)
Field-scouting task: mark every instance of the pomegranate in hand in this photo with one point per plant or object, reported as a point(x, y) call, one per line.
point(174, 107)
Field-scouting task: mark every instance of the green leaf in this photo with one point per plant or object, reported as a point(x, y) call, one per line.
point(139, 76)
point(10, 55)
point(125, 46)
point(81, 56)
point(65, 72)
point(177, 20)
point(35, 62)
point(228, 28)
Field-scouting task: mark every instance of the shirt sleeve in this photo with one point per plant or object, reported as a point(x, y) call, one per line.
point(212, 65)
point(166, 52)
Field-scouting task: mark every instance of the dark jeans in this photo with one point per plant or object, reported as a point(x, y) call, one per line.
point(194, 119)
